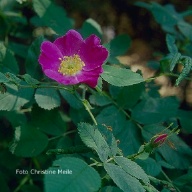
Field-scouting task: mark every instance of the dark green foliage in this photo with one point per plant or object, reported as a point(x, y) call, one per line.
point(176, 58)
point(59, 138)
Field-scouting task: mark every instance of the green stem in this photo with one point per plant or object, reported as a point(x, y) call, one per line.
point(110, 159)
point(46, 86)
point(84, 92)
point(168, 75)
point(36, 163)
point(96, 163)
point(169, 180)
point(87, 107)
point(67, 133)
point(23, 181)
point(134, 156)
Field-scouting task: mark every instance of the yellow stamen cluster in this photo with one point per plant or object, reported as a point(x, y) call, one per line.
point(70, 65)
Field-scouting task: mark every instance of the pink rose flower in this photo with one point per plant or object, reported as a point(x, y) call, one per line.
point(72, 60)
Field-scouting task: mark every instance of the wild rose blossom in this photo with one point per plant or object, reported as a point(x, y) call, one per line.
point(71, 60)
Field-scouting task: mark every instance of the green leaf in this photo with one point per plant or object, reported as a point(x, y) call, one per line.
point(187, 63)
point(71, 99)
point(8, 160)
point(165, 15)
point(122, 179)
point(53, 16)
point(99, 99)
point(120, 77)
point(3, 88)
point(13, 78)
point(18, 49)
point(112, 116)
point(150, 166)
point(32, 66)
point(91, 136)
point(3, 78)
point(174, 60)
point(170, 40)
point(128, 144)
point(79, 115)
point(165, 190)
point(30, 188)
point(186, 29)
point(51, 122)
point(185, 118)
point(64, 142)
point(132, 168)
point(177, 159)
point(16, 118)
point(6, 5)
point(107, 133)
point(127, 96)
point(47, 98)
point(184, 179)
point(29, 80)
point(162, 162)
point(151, 188)
point(90, 27)
point(119, 45)
point(28, 141)
point(159, 109)
point(8, 62)
point(3, 183)
point(15, 98)
point(71, 174)
point(110, 189)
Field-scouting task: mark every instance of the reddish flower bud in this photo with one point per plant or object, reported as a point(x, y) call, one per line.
point(159, 139)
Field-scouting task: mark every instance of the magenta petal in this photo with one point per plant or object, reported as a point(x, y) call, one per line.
point(50, 50)
point(92, 81)
point(90, 77)
point(49, 57)
point(93, 40)
point(93, 55)
point(70, 43)
point(66, 80)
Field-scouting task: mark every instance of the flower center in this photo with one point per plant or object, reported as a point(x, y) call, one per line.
point(70, 65)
